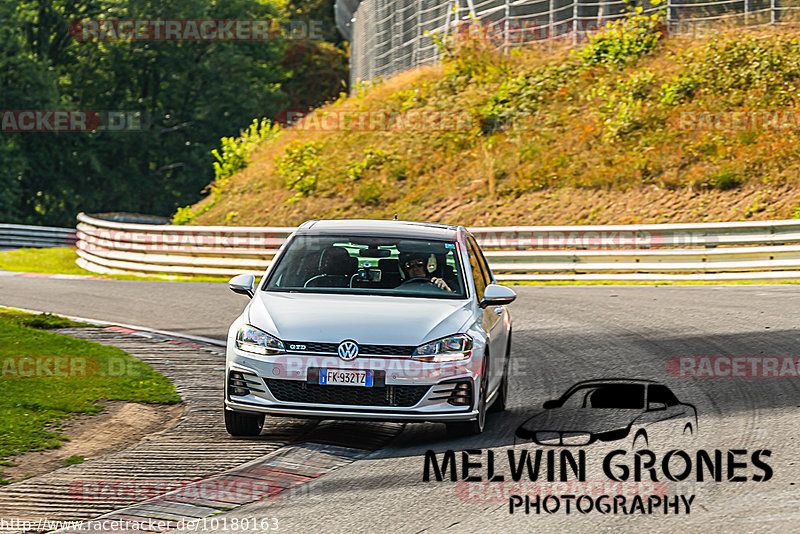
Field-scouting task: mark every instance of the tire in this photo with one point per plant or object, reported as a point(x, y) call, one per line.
point(472, 428)
point(243, 424)
point(499, 404)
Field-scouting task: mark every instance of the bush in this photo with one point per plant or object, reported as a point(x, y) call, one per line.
point(747, 71)
point(374, 158)
point(680, 89)
point(370, 194)
point(623, 41)
point(234, 157)
point(236, 151)
point(524, 94)
point(622, 105)
point(726, 179)
point(299, 166)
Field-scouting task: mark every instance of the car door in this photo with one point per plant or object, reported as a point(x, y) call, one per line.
point(493, 317)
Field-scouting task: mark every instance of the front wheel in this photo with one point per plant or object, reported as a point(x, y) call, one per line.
point(243, 424)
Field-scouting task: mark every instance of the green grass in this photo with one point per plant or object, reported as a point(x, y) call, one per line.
point(46, 377)
point(74, 459)
point(44, 321)
point(62, 261)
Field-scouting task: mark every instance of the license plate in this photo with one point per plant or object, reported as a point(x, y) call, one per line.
point(336, 377)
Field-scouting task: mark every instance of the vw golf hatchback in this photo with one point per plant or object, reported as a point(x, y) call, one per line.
point(369, 319)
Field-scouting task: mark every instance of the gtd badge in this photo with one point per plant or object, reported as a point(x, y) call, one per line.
point(297, 347)
point(348, 350)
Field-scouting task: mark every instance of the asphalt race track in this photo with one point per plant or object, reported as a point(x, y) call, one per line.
point(194, 308)
point(562, 335)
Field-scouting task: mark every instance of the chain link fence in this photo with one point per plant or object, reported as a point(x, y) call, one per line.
point(390, 36)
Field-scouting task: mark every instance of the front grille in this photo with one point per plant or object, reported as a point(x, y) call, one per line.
point(297, 391)
point(332, 348)
point(313, 347)
point(386, 350)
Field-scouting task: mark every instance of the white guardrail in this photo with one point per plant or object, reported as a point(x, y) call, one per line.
point(760, 250)
point(24, 236)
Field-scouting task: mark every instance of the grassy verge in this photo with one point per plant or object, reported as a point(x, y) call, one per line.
point(62, 261)
point(46, 378)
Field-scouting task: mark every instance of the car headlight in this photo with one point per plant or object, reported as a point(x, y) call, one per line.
point(447, 349)
point(251, 339)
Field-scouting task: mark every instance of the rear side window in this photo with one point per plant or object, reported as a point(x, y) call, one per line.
point(662, 394)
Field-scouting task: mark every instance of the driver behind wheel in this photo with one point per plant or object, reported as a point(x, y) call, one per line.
point(418, 265)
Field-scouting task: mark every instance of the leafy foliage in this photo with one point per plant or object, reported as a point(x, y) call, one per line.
point(622, 105)
point(234, 157)
point(191, 92)
point(747, 71)
point(624, 116)
point(299, 166)
point(623, 41)
point(525, 93)
point(374, 158)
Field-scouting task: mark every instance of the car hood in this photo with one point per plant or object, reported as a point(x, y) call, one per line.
point(592, 420)
point(370, 319)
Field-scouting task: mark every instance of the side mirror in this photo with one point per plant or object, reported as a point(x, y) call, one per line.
point(497, 295)
point(549, 405)
point(243, 284)
point(656, 406)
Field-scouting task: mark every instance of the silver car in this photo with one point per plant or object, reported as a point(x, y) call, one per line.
point(370, 319)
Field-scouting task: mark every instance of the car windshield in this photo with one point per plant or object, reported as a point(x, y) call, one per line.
point(369, 265)
point(617, 396)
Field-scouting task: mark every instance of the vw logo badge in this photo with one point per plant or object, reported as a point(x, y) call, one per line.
point(348, 350)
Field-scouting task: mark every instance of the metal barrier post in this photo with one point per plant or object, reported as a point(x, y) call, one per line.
point(575, 22)
point(669, 16)
point(550, 20)
point(772, 12)
point(506, 22)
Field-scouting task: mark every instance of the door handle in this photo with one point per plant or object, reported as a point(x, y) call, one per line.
point(498, 310)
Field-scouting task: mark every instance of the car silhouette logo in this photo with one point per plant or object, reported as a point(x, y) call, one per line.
point(612, 409)
point(348, 350)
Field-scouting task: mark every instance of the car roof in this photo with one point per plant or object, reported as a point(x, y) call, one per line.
point(382, 228)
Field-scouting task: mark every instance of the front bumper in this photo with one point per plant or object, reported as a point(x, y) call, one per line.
point(329, 413)
point(433, 386)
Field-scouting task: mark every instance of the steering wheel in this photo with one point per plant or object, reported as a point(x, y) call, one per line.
point(417, 280)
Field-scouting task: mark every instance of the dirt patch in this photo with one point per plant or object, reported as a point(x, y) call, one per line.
point(120, 425)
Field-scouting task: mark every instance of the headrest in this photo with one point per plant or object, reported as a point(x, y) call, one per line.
point(336, 261)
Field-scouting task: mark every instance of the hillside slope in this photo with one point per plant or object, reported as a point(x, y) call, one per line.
point(631, 128)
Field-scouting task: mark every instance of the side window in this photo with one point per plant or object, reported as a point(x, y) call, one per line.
point(481, 260)
point(662, 394)
point(477, 270)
